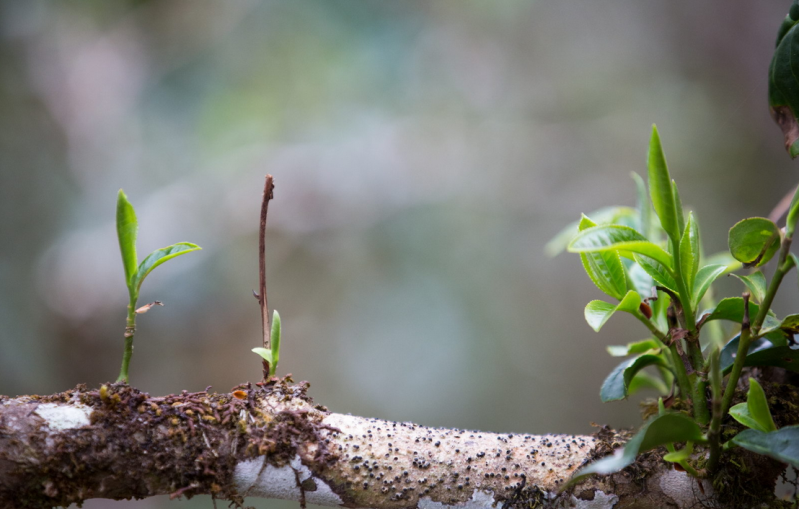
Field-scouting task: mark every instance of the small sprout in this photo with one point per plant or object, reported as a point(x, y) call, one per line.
point(272, 356)
point(135, 272)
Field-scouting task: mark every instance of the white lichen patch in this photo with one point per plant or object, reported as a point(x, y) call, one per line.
point(601, 500)
point(479, 500)
point(684, 489)
point(254, 479)
point(60, 417)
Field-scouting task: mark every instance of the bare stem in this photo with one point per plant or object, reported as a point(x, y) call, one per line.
point(265, 320)
point(714, 433)
point(130, 331)
point(679, 369)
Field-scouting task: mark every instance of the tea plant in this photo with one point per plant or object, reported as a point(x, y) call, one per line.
point(127, 230)
point(655, 267)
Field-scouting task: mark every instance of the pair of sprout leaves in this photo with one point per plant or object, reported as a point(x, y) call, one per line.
point(621, 252)
point(127, 230)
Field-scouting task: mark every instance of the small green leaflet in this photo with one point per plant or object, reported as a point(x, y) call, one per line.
point(604, 268)
point(643, 380)
point(732, 308)
point(689, 252)
point(793, 214)
point(633, 348)
point(754, 413)
point(704, 278)
point(657, 271)
point(681, 455)
point(678, 206)
point(158, 257)
point(660, 188)
point(643, 206)
point(598, 312)
point(617, 238)
point(783, 85)
point(782, 445)
point(616, 385)
point(608, 215)
point(272, 356)
point(754, 241)
point(756, 283)
point(127, 228)
point(660, 430)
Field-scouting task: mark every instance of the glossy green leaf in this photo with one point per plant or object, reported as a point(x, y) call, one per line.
point(660, 430)
point(732, 309)
point(643, 380)
point(756, 282)
point(678, 206)
point(754, 241)
point(730, 350)
point(779, 356)
point(598, 312)
point(643, 206)
point(782, 445)
point(266, 354)
point(758, 407)
point(608, 215)
point(127, 228)
point(615, 386)
point(783, 84)
point(790, 324)
point(619, 238)
point(657, 271)
point(660, 188)
point(275, 342)
point(689, 252)
point(681, 455)
point(604, 268)
point(704, 278)
point(638, 278)
point(740, 413)
point(633, 348)
point(160, 256)
point(793, 214)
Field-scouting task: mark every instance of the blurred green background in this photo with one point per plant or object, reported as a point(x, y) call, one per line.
point(423, 154)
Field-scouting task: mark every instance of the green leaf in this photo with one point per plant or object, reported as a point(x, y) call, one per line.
point(643, 206)
point(704, 278)
point(758, 407)
point(790, 324)
point(732, 309)
point(160, 256)
point(783, 84)
point(660, 188)
point(615, 386)
point(678, 206)
point(607, 215)
point(275, 343)
point(640, 281)
point(604, 268)
point(681, 455)
point(598, 312)
point(643, 380)
point(782, 445)
point(740, 413)
point(730, 350)
point(617, 238)
point(657, 271)
point(633, 348)
point(724, 258)
point(756, 283)
point(754, 241)
point(779, 356)
point(660, 430)
point(793, 215)
point(127, 228)
point(689, 252)
point(266, 354)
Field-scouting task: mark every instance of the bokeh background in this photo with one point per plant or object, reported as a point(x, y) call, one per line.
point(423, 153)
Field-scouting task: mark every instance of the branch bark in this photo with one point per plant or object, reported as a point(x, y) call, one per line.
point(270, 440)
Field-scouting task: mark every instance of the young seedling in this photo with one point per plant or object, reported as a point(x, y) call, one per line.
point(272, 355)
point(135, 273)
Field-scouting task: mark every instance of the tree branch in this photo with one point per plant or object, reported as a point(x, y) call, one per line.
point(270, 440)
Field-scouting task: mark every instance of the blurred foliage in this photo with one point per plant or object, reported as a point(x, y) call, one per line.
point(423, 153)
